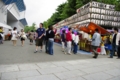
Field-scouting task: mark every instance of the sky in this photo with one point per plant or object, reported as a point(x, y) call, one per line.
point(38, 11)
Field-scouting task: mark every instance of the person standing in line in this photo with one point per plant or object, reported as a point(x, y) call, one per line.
point(22, 36)
point(46, 40)
point(69, 41)
point(73, 38)
point(115, 42)
point(76, 41)
point(51, 36)
point(96, 41)
point(31, 37)
point(63, 40)
point(14, 36)
point(39, 40)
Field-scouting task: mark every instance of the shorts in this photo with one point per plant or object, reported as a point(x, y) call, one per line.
point(22, 39)
point(39, 42)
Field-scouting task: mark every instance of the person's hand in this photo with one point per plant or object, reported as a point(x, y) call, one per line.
point(39, 37)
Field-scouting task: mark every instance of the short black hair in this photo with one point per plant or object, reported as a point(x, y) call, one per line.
point(69, 29)
point(116, 29)
point(63, 31)
point(14, 28)
point(41, 24)
point(96, 30)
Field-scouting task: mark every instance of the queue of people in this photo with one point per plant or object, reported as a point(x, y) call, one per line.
point(69, 40)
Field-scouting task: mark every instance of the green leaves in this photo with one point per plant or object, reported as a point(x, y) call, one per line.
point(30, 28)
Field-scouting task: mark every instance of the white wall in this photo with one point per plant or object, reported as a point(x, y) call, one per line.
point(14, 10)
point(22, 14)
point(3, 13)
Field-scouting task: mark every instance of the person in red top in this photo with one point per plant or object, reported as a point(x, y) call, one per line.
point(69, 41)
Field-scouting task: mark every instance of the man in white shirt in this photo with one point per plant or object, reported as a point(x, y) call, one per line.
point(115, 42)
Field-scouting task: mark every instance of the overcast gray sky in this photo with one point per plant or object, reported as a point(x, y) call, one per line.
point(40, 10)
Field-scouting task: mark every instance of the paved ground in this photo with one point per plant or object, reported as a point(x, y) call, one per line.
point(11, 55)
point(20, 63)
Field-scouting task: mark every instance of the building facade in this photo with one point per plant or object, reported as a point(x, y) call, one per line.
point(12, 14)
point(99, 13)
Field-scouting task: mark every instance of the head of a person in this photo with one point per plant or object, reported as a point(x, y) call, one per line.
point(41, 25)
point(70, 29)
point(115, 30)
point(51, 27)
point(96, 30)
point(72, 32)
point(63, 31)
point(1, 27)
point(22, 30)
point(14, 28)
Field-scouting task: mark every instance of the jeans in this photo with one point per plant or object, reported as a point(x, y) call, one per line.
point(75, 48)
point(118, 53)
point(46, 46)
point(114, 48)
point(50, 47)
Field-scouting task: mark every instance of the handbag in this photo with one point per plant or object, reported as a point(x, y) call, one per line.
point(24, 37)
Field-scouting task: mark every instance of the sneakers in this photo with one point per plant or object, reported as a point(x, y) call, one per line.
point(110, 57)
point(35, 51)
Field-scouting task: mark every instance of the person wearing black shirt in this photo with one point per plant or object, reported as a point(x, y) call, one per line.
point(51, 36)
point(46, 40)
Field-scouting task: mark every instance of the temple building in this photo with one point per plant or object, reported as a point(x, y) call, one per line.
point(101, 14)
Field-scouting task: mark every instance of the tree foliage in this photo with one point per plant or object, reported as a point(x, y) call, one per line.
point(30, 28)
point(69, 8)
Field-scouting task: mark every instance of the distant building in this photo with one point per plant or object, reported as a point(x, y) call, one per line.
point(99, 13)
point(12, 14)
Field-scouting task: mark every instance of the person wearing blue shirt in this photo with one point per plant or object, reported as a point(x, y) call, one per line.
point(39, 41)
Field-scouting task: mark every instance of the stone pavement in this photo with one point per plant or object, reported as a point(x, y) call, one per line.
point(23, 64)
point(89, 69)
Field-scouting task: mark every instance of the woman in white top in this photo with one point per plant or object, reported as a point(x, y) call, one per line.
point(76, 41)
point(22, 36)
point(14, 36)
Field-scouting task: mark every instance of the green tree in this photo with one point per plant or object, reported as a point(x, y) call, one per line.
point(79, 3)
point(69, 8)
point(30, 28)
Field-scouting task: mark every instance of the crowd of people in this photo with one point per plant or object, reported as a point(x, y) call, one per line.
point(69, 40)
